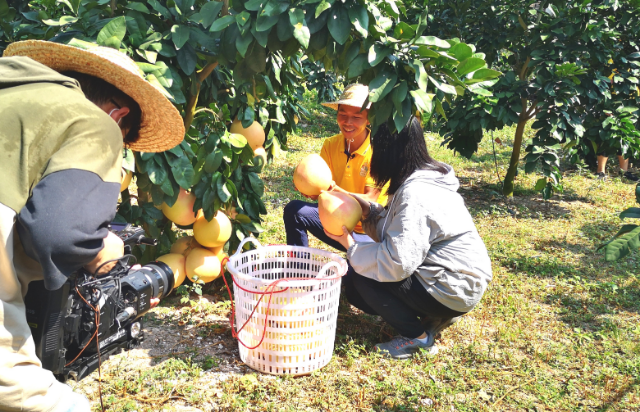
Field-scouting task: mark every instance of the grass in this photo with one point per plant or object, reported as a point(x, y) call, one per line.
point(557, 330)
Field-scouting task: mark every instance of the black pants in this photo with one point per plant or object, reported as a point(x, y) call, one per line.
point(401, 304)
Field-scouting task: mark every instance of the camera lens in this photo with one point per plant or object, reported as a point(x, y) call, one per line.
point(161, 278)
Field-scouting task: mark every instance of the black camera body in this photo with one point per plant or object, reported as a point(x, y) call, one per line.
point(71, 339)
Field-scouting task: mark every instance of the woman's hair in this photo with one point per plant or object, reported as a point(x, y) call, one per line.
point(100, 91)
point(397, 155)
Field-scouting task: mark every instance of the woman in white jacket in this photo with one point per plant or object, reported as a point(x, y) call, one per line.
point(428, 265)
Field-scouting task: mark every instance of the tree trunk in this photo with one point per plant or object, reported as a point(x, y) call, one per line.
point(507, 188)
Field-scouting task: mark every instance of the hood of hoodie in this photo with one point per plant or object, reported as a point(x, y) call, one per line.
point(19, 70)
point(447, 181)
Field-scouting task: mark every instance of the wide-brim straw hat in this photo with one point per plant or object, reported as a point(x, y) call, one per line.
point(161, 126)
point(353, 95)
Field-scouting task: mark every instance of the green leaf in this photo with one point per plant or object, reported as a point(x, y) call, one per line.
point(300, 29)
point(187, 59)
point(134, 5)
point(440, 109)
point(461, 51)
point(72, 4)
point(632, 212)
point(381, 85)
point(402, 117)
point(208, 13)
point(253, 5)
point(339, 24)
point(357, 66)
point(399, 94)
point(403, 31)
point(183, 173)
point(377, 53)
point(223, 191)
point(238, 140)
point(243, 42)
point(621, 246)
point(157, 174)
point(222, 23)
point(444, 87)
point(486, 74)
point(469, 65)
point(323, 6)
point(423, 101)
point(432, 41)
point(360, 19)
point(425, 51)
point(541, 184)
point(638, 193)
point(256, 183)
point(64, 20)
point(213, 161)
point(179, 35)
point(113, 32)
point(421, 74)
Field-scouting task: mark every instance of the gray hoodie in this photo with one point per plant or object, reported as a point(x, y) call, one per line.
point(426, 229)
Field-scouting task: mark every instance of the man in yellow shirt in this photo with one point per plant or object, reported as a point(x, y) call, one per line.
point(348, 155)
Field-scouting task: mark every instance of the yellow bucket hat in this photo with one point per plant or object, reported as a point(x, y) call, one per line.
point(161, 126)
point(353, 95)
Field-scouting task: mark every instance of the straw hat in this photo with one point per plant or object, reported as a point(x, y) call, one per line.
point(161, 126)
point(353, 95)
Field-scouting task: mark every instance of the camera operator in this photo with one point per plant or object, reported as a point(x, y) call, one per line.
point(65, 114)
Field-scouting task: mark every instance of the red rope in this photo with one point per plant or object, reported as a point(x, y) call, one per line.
point(272, 285)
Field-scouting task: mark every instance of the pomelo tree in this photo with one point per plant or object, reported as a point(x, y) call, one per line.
point(220, 61)
point(571, 69)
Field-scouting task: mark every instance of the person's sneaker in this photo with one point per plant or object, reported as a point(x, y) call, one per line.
point(404, 348)
point(630, 176)
point(434, 326)
point(601, 176)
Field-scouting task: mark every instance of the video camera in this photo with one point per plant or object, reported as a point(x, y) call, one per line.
point(63, 322)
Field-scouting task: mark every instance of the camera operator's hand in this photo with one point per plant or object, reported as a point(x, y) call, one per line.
point(154, 301)
point(113, 249)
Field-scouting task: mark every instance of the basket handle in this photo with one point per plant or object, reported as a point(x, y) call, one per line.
point(247, 239)
point(325, 269)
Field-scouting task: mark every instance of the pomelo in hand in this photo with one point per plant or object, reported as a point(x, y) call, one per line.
point(202, 265)
point(184, 245)
point(214, 233)
point(181, 213)
point(338, 209)
point(312, 175)
point(126, 179)
point(176, 262)
point(254, 133)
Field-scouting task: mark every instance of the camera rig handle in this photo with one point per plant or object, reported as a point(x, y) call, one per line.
point(131, 236)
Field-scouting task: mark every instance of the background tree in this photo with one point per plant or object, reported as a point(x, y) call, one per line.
point(219, 61)
point(571, 67)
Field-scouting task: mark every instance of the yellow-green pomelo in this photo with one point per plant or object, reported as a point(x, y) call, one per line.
point(214, 233)
point(181, 213)
point(126, 179)
point(177, 264)
point(312, 175)
point(254, 133)
point(338, 209)
point(184, 245)
point(202, 265)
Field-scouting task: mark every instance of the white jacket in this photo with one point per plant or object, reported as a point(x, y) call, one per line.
point(426, 229)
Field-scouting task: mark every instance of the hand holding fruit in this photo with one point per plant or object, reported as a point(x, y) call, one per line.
point(345, 239)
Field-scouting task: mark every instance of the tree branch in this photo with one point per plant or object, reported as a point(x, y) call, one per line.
point(523, 70)
point(114, 4)
point(225, 8)
point(192, 102)
point(532, 110)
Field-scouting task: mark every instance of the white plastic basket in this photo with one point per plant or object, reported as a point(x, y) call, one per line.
point(286, 306)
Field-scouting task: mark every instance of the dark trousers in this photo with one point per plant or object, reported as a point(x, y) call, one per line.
point(401, 304)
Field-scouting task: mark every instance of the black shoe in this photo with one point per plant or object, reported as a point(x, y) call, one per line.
point(601, 176)
point(630, 176)
point(434, 326)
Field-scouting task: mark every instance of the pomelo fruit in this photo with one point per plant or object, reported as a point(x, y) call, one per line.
point(220, 254)
point(181, 213)
point(184, 245)
point(254, 133)
point(126, 179)
point(338, 209)
point(176, 262)
point(214, 233)
point(312, 175)
point(262, 154)
point(202, 265)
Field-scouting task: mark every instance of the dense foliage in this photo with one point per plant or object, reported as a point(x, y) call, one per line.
point(219, 61)
point(571, 67)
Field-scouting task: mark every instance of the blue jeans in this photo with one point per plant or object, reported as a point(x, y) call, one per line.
point(301, 218)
